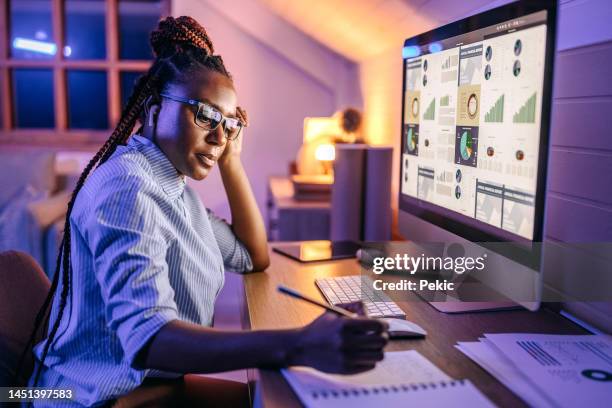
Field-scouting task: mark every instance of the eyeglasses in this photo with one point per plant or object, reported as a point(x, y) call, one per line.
point(209, 118)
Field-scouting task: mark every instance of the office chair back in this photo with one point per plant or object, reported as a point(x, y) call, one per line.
point(23, 289)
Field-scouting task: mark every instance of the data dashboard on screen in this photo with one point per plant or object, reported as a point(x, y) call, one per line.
point(471, 122)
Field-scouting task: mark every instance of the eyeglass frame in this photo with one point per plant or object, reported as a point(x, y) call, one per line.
point(200, 105)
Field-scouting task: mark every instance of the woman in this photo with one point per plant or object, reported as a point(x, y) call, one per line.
point(142, 260)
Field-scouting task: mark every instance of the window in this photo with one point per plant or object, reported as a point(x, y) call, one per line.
point(33, 98)
point(67, 67)
point(128, 81)
point(135, 22)
point(84, 33)
point(87, 106)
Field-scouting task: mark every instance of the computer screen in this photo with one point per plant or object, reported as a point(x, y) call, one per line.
point(475, 112)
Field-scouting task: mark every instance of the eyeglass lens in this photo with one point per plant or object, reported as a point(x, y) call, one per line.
point(209, 119)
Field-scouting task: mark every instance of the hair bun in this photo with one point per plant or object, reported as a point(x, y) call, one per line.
point(173, 34)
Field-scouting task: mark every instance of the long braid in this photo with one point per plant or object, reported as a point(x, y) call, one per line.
point(64, 248)
point(123, 128)
point(64, 252)
point(131, 112)
point(105, 151)
point(181, 46)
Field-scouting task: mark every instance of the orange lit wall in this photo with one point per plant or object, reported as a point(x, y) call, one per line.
point(381, 80)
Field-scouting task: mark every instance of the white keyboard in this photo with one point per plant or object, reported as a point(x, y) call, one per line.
point(345, 289)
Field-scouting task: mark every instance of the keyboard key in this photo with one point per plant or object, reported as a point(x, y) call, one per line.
point(346, 289)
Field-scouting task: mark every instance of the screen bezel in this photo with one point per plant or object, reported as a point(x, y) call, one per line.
point(454, 222)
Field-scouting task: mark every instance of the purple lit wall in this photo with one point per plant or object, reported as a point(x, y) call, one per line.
point(579, 201)
point(580, 182)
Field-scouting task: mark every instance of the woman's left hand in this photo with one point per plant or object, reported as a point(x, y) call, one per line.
point(234, 147)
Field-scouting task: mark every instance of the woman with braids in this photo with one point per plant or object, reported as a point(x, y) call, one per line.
point(142, 260)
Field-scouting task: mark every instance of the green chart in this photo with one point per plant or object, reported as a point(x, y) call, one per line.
point(447, 64)
point(444, 101)
point(526, 113)
point(431, 110)
point(496, 113)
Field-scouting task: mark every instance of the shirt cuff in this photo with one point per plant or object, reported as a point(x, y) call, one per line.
point(140, 335)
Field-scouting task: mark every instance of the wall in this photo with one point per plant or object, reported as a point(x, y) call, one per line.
point(281, 76)
point(579, 206)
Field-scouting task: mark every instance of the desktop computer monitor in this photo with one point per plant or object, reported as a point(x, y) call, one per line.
point(476, 102)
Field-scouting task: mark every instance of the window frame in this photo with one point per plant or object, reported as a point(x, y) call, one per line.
point(112, 65)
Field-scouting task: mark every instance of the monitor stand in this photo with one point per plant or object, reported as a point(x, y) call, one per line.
point(471, 307)
point(474, 291)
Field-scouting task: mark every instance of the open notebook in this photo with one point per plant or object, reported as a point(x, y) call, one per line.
point(403, 378)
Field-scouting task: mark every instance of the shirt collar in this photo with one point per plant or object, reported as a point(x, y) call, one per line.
point(169, 178)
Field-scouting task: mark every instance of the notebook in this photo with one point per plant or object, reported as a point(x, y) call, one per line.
point(403, 378)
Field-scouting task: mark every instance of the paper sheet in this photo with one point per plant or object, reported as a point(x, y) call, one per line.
point(398, 367)
point(507, 374)
point(386, 386)
point(562, 370)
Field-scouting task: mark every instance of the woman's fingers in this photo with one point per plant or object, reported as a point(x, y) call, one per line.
point(242, 115)
point(364, 357)
point(357, 368)
point(365, 342)
point(365, 325)
point(354, 307)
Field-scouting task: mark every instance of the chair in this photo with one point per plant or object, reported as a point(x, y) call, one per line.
point(22, 292)
point(190, 391)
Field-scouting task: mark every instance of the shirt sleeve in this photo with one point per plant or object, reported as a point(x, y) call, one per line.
point(129, 252)
point(235, 255)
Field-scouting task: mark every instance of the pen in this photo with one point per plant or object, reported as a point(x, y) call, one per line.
point(331, 308)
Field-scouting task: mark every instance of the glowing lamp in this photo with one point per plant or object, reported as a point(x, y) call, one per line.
point(325, 152)
point(317, 132)
point(316, 129)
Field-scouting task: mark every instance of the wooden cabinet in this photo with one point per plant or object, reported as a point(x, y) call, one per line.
point(292, 220)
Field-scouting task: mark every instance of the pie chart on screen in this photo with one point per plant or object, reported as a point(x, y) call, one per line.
point(466, 146)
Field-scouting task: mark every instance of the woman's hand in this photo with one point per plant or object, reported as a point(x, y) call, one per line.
point(353, 307)
point(336, 344)
point(247, 222)
point(233, 148)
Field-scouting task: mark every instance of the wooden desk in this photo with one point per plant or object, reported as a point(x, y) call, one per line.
point(265, 308)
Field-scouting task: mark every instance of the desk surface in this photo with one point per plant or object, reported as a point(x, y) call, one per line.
point(265, 308)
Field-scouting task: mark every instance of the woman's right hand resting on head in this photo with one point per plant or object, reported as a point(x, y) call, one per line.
point(331, 343)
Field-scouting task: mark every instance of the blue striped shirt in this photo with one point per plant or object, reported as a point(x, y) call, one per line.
point(145, 251)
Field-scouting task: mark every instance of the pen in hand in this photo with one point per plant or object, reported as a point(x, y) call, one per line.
point(335, 309)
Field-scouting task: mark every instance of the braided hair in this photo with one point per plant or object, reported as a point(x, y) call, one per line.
point(181, 48)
